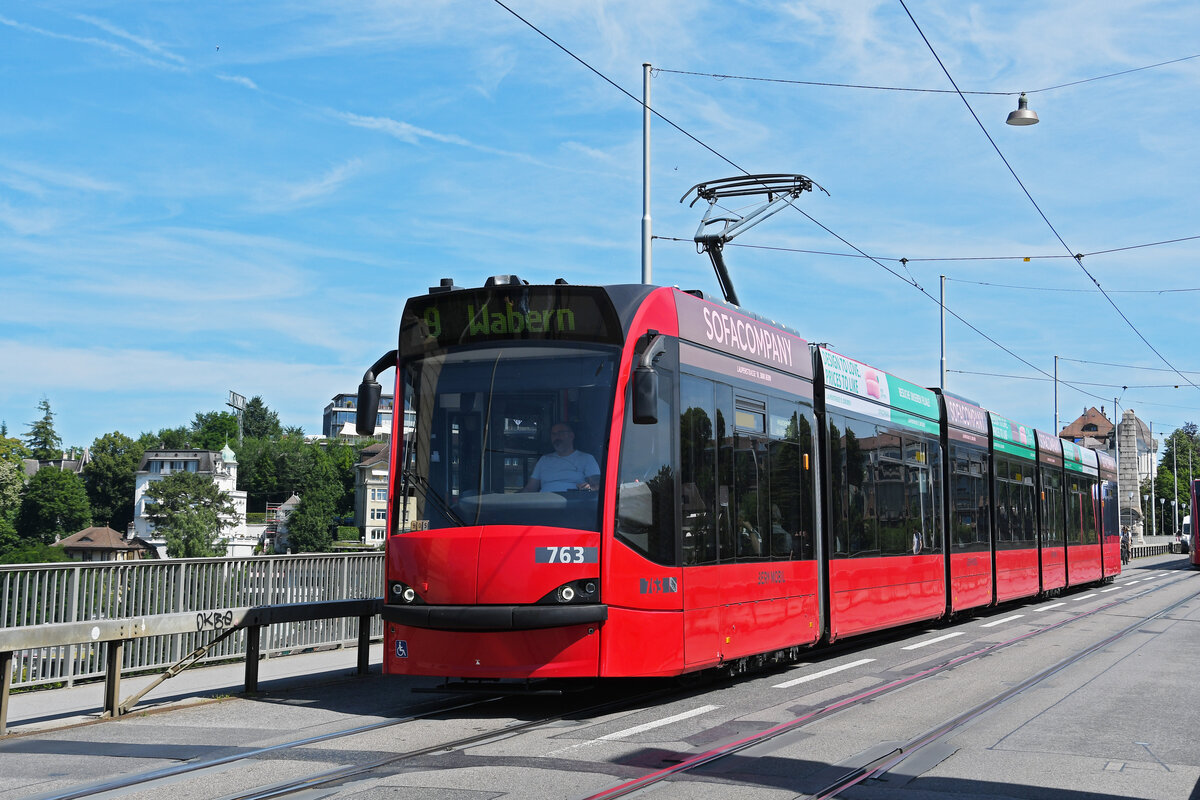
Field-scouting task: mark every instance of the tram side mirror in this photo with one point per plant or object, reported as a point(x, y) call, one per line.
point(645, 395)
point(368, 407)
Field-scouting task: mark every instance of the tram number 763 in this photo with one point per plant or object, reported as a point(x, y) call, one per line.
point(567, 555)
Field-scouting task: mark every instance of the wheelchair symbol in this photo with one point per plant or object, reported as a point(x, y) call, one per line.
point(401, 648)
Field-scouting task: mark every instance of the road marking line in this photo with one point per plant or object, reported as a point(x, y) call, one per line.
point(1131, 583)
point(1052, 605)
point(695, 712)
point(821, 674)
point(932, 641)
point(1002, 621)
point(1113, 589)
point(1085, 596)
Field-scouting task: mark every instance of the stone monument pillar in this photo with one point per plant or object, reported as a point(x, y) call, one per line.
point(1130, 501)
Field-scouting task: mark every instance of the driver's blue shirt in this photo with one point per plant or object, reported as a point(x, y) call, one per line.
point(563, 473)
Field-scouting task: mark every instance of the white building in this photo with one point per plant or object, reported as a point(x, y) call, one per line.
point(222, 466)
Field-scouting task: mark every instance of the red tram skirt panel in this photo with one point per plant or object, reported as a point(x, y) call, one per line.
point(1083, 564)
point(1054, 568)
point(1016, 574)
point(869, 594)
point(970, 580)
point(569, 652)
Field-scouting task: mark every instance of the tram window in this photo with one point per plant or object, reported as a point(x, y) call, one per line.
point(647, 481)
point(697, 470)
point(922, 496)
point(791, 482)
point(836, 523)
point(724, 400)
point(751, 489)
point(969, 503)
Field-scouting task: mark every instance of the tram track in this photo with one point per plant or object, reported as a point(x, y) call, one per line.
point(331, 778)
point(147, 780)
point(892, 757)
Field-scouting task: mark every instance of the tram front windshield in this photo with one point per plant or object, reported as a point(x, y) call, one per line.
point(483, 422)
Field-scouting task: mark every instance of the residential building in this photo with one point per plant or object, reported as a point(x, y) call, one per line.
point(103, 544)
point(277, 523)
point(342, 412)
point(370, 492)
point(221, 466)
point(1136, 459)
point(1092, 429)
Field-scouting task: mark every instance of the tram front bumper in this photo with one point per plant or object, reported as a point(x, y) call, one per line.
point(494, 618)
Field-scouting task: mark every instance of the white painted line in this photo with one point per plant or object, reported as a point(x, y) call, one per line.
point(1085, 596)
point(695, 712)
point(932, 641)
point(1113, 589)
point(821, 674)
point(1047, 608)
point(1131, 583)
point(1002, 621)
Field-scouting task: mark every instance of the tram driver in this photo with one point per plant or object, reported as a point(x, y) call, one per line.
point(566, 468)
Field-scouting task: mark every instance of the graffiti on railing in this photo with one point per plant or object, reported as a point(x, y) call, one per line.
point(214, 620)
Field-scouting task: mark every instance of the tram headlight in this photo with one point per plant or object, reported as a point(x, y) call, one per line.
point(402, 593)
point(575, 592)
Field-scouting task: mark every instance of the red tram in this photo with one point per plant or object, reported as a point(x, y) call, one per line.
point(643, 481)
point(1194, 492)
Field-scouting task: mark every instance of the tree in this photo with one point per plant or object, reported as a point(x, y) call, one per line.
point(43, 440)
point(189, 511)
point(12, 481)
point(13, 449)
point(53, 505)
point(260, 422)
point(1181, 450)
point(310, 526)
point(214, 429)
point(33, 553)
point(110, 476)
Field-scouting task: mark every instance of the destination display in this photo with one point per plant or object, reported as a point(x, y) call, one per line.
point(857, 387)
point(470, 316)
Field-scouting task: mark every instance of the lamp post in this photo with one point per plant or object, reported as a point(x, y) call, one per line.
point(1162, 512)
point(1142, 534)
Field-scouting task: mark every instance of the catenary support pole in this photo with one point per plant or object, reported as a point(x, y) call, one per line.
point(646, 173)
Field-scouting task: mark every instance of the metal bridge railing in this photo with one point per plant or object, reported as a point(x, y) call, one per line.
point(49, 594)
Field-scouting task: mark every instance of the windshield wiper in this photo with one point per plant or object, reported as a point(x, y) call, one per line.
point(431, 495)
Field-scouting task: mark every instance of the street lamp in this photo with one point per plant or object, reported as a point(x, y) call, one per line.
point(1023, 115)
point(1162, 513)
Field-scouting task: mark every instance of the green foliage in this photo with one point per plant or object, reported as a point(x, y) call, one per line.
point(33, 553)
point(310, 527)
point(12, 481)
point(212, 430)
point(348, 533)
point(1181, 457)
point(179, 438)
point(43, 441)
point(53, 505)
point(260, 422)
point(189, 511)
point(13, 449)
point(109, 477)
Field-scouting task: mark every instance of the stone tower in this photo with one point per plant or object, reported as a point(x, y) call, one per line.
point(1127, 471)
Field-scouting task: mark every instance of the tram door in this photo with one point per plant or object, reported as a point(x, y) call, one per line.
point(705, 408)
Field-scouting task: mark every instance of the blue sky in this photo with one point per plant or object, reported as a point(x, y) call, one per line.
point(203, 197)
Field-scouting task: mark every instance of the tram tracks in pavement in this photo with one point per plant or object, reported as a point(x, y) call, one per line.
point(341, 774)
point(892, 757)
point(146, 780)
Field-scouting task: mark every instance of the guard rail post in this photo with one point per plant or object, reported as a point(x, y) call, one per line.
point(364, 643)
point(114, 649)
point(253, 652)
point(6, 665)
